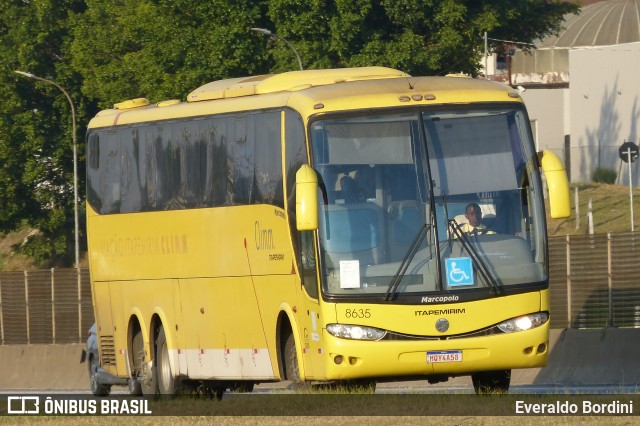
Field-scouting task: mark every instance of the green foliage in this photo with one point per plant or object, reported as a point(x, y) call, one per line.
point(36, 150)
point(421, 37)
point(161, 49)
point(106, 51)
point(604, 175)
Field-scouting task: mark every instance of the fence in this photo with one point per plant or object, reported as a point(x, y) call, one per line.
point(594, 282)
point(45, 306)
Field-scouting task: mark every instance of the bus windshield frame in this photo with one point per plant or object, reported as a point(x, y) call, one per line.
point(395, 189)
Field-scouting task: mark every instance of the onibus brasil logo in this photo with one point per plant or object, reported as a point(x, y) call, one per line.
point(34, 404)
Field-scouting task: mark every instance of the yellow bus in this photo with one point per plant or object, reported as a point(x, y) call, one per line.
point(344, 226)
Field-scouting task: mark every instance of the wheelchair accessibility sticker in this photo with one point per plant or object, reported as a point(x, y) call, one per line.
point(459, 271)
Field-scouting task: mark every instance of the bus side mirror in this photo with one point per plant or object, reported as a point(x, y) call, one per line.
point(306, 199)
point(557, 184)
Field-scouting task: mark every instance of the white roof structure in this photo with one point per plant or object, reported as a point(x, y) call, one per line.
point(605, 23)
point(600, 24)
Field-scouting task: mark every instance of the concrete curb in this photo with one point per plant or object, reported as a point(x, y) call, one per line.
point(608, 356)
point(34, 367)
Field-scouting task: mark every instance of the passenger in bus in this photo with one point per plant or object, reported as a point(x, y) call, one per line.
point(350, 190)
point(474, 225)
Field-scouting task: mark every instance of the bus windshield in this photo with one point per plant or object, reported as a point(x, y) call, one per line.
point(432, 201)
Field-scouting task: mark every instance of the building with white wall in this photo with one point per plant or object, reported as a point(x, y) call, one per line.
point(582, 88)
point(605, 108)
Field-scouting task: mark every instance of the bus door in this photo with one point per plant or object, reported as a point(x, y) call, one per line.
point(309, 315)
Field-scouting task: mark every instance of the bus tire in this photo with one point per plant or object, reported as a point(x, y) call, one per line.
point(488, 382)
point(292, 368)
point(148, 382)
point(137, 361)
point(135, 387)
point(167, 383)
point(147, 369)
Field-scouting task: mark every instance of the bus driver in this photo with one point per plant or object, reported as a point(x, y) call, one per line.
point(474, 218)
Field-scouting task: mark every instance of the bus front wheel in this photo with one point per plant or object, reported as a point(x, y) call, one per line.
point(487, 382)
point(292, 368)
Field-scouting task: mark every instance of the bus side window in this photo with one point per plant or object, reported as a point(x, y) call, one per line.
point(94, 193)
point(94, 151)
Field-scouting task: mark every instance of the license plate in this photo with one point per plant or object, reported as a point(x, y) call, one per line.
point(444, 356)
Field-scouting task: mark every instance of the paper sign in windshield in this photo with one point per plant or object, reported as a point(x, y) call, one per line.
point(349, 274)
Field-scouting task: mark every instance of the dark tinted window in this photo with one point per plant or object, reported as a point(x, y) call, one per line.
point(201, 162)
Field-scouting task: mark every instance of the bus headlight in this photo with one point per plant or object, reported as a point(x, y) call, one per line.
point(355, 332)
point(523, 323)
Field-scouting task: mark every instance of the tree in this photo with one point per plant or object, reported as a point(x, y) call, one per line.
point(161, 49)
point(421, 37)
point(102, 52)
point(36, 155)
point(107, 51)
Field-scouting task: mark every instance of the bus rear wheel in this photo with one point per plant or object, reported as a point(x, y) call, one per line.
point(143, 373)
point(148, 382)
point(488, 382)
point(167, 383)
point(135, 387)
point(137, 361)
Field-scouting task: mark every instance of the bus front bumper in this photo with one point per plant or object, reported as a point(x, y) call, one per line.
point(353, 359)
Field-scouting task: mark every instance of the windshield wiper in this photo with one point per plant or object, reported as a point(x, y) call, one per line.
point(484, 271)
point(404, 265)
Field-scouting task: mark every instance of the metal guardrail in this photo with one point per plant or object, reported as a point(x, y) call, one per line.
point(594, 283)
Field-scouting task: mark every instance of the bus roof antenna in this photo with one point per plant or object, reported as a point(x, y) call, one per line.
point(409, 82)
